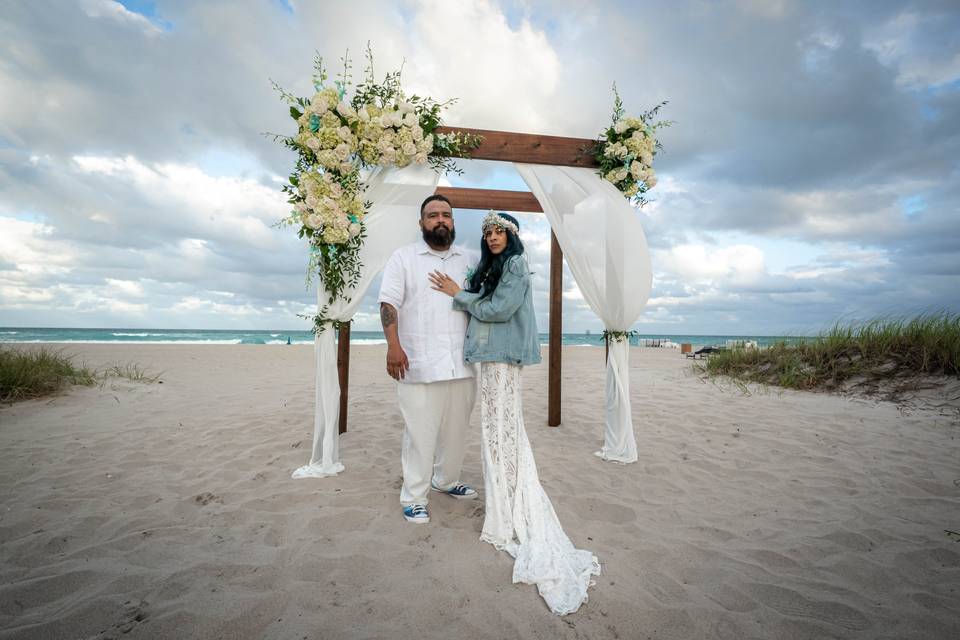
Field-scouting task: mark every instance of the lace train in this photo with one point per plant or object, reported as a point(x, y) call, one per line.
point(519, 516)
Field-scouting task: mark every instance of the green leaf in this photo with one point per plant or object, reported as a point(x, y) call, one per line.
point(295, 113)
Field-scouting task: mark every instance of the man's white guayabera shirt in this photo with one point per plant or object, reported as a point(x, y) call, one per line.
point(431, 332)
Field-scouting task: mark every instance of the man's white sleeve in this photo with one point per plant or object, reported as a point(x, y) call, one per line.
point(392, 282)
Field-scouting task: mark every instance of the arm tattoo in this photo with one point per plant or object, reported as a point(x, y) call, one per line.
point(388, 315)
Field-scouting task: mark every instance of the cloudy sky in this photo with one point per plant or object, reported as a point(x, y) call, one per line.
point(812, 174)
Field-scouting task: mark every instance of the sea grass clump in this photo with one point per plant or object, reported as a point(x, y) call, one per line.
point(876, 352)
point(37, 372)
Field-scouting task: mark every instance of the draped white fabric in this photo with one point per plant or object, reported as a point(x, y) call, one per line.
point(396, 195)
point(605, 247)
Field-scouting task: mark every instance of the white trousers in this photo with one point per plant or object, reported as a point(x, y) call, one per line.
point(436, 416)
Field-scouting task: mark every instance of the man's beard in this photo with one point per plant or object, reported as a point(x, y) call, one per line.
point(440, 236)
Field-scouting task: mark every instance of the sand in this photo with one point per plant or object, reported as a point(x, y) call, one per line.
point(168, 511)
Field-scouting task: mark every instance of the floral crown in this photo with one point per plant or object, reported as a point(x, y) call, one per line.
point(495, 219)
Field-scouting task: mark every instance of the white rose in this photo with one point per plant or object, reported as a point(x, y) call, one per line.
point(312, 201)
point(363, 115)
point(318, 104)
point(616, 150)
point(345, 134)
point(409, 148)
point(420, 158)
point(313, 143)
point(410, 119)
point(354, 230)
point(343, 151)
point(346, 110)
point(636, 169)
point(416, 132)
point(651, 181)
point(300, 207)
point(620, 126)
point(346, 167)
point(314, 221)
point(646, 158)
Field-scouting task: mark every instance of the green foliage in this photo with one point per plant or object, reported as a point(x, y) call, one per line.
point(617, 336)
point(625, 150)
point(36, 372)
point(882, 349)
point(131, 371)
point(330, 218)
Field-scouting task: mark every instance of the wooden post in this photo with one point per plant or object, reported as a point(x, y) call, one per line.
point(343, 371)
point(556, 331)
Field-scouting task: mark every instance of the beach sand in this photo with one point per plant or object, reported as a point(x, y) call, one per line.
point(167, 510)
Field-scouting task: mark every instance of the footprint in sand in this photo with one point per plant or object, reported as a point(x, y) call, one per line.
point(594, 509)
point(791, 603)
point(206, 498)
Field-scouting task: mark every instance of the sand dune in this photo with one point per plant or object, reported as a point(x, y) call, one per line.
point(168, 511)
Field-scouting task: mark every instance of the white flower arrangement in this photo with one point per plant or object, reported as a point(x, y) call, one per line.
point(336, 138)
point(625, 151)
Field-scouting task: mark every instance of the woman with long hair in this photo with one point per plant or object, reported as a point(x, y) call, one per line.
point(502, 336)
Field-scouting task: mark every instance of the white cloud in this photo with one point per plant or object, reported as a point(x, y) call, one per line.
point(699, 264)
point(901, 43)
point(115, 11)
point(503, 77)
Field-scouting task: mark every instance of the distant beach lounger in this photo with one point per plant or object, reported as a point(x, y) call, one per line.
point(704, 352)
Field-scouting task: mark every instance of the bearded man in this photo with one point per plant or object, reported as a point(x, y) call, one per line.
point(435, 387)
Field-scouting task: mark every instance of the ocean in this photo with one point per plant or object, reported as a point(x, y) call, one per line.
point(280, 337)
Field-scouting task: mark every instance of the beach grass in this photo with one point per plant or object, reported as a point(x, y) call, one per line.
point(34, 373)
point(31, 373)
point(875, 352)
point(131, 371)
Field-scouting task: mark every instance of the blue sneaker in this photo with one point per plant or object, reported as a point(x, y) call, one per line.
point(416, 513)
point(459, 491)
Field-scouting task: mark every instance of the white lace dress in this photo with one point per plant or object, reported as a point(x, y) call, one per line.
point(519, 516)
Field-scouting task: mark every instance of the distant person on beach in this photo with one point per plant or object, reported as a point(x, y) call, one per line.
point(502, 336)
point(425, 335)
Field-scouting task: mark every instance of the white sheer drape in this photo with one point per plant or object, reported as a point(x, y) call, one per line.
point(396, 195)
point(606, 250)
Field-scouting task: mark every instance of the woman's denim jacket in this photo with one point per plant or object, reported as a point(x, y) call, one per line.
point(503, 327)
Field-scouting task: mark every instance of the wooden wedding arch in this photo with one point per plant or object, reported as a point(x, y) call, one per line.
point(508, 147)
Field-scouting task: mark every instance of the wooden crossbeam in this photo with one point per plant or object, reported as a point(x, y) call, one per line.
point(530, 148)
point(466, 198)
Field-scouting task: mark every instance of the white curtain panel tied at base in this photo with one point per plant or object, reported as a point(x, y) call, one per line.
point(396, 195)
point(605, 247)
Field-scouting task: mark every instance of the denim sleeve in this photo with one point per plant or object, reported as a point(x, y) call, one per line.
point(506, 298)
